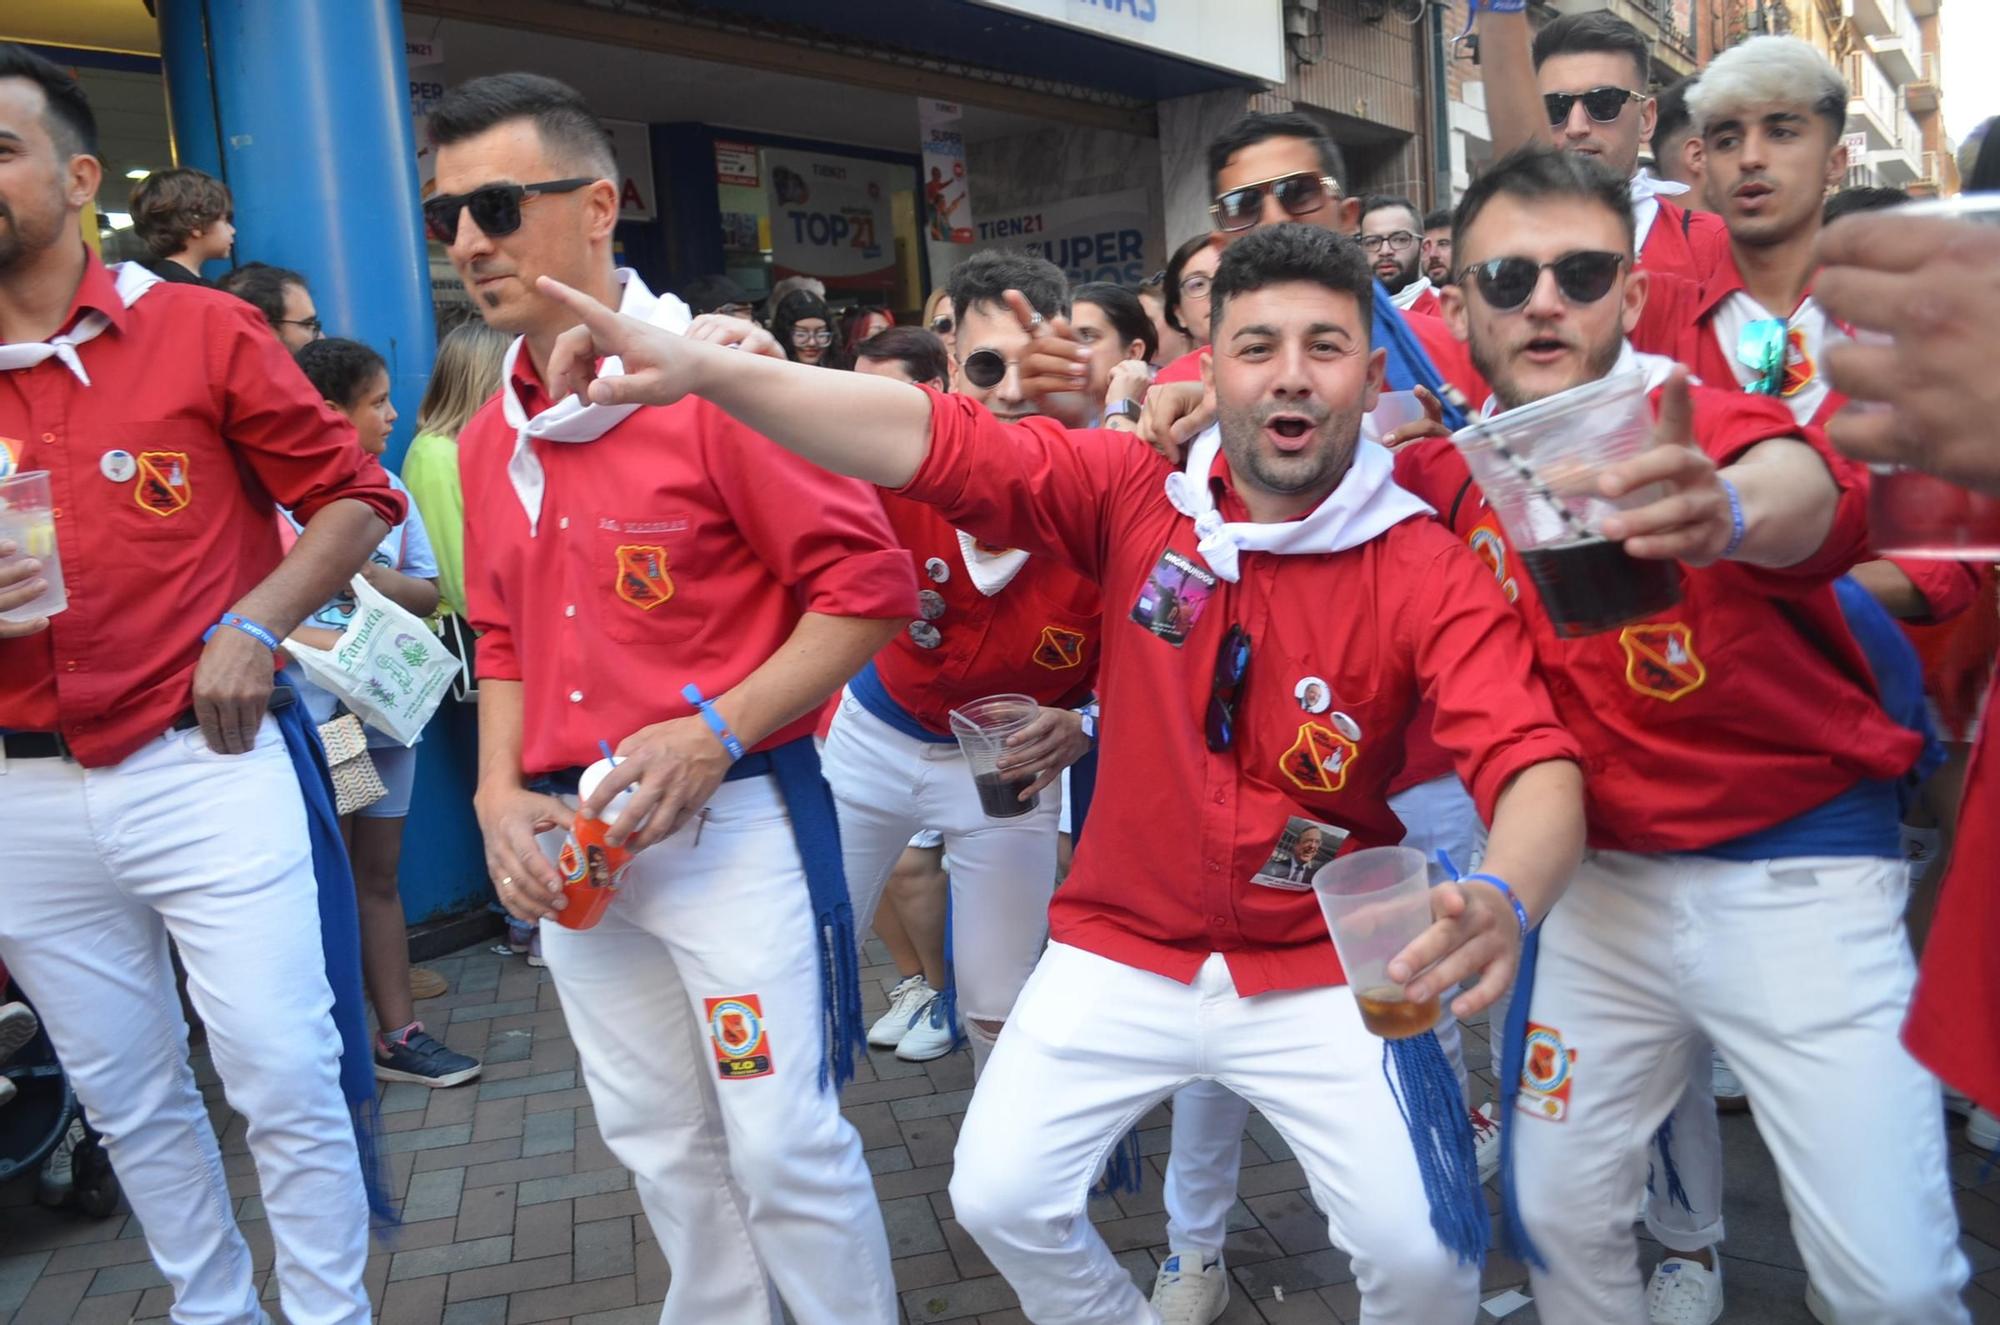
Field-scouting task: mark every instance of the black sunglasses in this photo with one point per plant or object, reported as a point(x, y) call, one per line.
point(985, 368)
point(1603, 104)
point(941, 325)
point(1232, 666)
point(495, 208)
point(1583, 278)
point(1300, 195)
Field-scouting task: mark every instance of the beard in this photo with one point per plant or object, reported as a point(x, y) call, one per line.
point(1319, 466)
point(1496, 365)
point(22, 240)
point(1404, 275)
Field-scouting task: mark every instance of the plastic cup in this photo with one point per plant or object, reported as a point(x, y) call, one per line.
point(1393, 409)
point(1376, 903)
point(1914, 514)
point(982, 728)
point(27, 520)
point(1538, 466)
point(591, 867)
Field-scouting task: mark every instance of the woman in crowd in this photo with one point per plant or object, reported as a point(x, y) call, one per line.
point(858, 324)
point(938, 320)
point(1113, 323)
point(1189, 273)
point(803, 325)
point(354, 380)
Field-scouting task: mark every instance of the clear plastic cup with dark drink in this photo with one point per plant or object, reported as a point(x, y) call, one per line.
point(1538, 466)
point(983, 728)
point(1376, 903)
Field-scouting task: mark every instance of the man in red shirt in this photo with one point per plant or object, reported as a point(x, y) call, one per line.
point(1193, 968)
point(1745, 886)
point(1392, 232)
point(991, 620)
point(1931, 284)
point(145, 789)
point(666, 581)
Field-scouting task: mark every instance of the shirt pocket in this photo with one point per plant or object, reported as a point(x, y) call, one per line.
point(634, 584)
point(165, 486)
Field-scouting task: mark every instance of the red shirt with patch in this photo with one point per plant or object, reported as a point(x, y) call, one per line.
point(678, 547)
point(1745, 704)
point(1036, 637)
point(219, 427)
point(1685, 242)
point(1163, 878)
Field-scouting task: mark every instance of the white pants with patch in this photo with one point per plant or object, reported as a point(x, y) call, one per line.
point(101, 867)
point(1799, 972)
point(1063, 1088)
point(750, 1183)
point(1207, 1150)
point(1003, 871)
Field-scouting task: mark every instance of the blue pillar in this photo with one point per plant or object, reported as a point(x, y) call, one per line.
point(303, 108)
point(310, 102)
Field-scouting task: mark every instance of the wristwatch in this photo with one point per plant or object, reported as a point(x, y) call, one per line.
point(1122, 409)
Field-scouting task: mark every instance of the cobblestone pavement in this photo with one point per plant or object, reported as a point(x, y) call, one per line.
point(515, 1212)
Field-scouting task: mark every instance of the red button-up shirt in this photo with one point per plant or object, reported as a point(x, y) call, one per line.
point(1036, 637)
point(1163, 878)
point(1745, 704)
point(1685, 242)
point(217, 427)
point(678, 547)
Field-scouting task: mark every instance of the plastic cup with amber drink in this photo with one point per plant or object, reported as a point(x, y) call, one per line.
point(1376, 903)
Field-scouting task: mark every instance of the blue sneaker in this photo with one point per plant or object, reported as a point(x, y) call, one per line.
point(411, 1054)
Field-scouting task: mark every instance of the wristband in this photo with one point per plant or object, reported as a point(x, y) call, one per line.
point(692, 694)
point(247, 626)
point(1520, 912)
point(1735, 518)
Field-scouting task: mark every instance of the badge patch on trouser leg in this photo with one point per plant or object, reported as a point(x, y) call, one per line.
point(736, 1030)
point(1547, 1074)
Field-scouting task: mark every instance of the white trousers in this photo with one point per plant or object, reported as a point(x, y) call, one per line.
point(101, 867)
point(1206, 1155)
point(753, 1183)
point(1697, 1156)
point(1003, 871)
point(1799, 972)
point(1062, 1089)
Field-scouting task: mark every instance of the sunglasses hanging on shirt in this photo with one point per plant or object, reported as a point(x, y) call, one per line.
point(495, 208)
point(1225, 689)
point(1763, 347)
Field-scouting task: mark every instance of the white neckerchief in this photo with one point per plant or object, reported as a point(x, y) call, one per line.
point(990, 571)
point(1410, 293)
point(131, 280)
point(571, 419)
point(1657, 368)
point(1366, 503)
point(1647, 190)
point(1808, 331)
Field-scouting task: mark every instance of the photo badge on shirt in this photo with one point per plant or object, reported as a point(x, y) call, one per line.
point(1302, 848)
point(1173, 597)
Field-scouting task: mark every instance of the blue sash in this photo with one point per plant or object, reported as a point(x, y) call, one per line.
point(1407, 364)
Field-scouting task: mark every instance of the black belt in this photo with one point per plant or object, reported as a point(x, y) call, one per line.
point(51, 745)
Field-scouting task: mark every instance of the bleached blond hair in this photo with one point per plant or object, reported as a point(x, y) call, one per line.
point(1768, 71)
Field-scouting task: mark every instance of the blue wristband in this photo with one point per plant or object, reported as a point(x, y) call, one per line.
point(247, 626)
point(1735, 518)
point(1520, 912)
point(692, 694)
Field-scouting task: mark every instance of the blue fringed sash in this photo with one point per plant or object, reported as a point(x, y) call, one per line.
point(1433, 1108)
point(1514, 1239)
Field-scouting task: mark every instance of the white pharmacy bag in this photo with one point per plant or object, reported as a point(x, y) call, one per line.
point(387, 666)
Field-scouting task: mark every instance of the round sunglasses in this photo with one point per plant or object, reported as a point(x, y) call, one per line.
point(1583, 278)
point(495, 208)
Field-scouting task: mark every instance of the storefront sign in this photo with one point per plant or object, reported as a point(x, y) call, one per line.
point(1109, 237)
point(736, 163)
point(631, 144)
point(1244, 36)
point(418, 54)
point(830, 217)
point(947, 198)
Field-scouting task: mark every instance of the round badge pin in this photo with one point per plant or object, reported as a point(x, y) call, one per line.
point(1346, 726)
point(924, 635)
point(1313, 694)
point(930, 604)
point(937, 570)
point(118, 466)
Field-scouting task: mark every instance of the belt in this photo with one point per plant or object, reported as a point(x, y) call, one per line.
point(568, 781)
point(51, 745)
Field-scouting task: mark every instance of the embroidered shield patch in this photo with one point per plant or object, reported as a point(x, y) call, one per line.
point(736, 1032)
point(1547, 1074)
point(1660, 661)
point(1319, 758)
point(165, 487)
point(1799, 368)
point(1059, 649)
point(642, 576)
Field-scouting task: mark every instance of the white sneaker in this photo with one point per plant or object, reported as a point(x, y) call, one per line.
point(1684, 1292)
point(904, 1001)
point(1186, 1295)
point(1982, 1129)
point(58, 1176)
point(17, 1026)
point(1486, 1140)
point(1729, 1096)
point(931, 1035)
